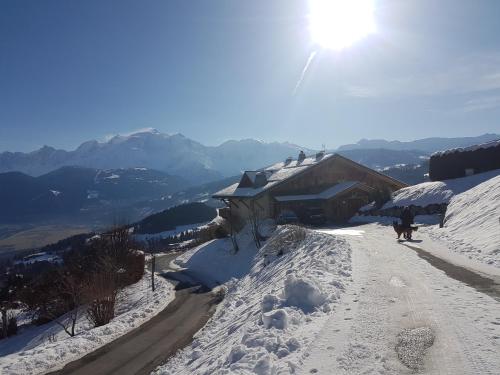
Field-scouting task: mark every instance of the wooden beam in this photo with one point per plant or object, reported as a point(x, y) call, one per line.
point(257, 203)
point(243, 202)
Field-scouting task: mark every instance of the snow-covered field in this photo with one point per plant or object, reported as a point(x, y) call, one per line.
point(277, 300)
point(436, 192)
point(472, 223)
point(168, 233)
point(38, 350)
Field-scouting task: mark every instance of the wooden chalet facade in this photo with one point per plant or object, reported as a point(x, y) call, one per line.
point(332, 182)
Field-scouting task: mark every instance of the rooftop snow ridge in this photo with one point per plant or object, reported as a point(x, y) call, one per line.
point(494, 143)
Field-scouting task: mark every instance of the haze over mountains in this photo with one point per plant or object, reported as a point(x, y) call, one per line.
point(197, 163)
point(174, 154)
point(429, 145)
point(135, 175)
point(86, 194)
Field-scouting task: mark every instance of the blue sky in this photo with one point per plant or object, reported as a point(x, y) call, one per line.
point(216, 70)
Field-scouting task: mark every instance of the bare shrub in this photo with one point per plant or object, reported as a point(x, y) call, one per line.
point(254, 219)
point(102, 291)
point(12, 325)
point(285, 239)
point(72, 294)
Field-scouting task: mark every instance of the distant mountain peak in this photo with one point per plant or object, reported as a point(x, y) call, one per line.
point(429, 145)
point(148, 130)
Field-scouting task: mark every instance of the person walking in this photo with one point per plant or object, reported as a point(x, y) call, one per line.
point(406, 218)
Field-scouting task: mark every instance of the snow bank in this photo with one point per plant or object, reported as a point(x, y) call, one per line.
point(388, 220)
point(216, 262)
point(272, 314)
point(472, 223)
point(38, 350)
point(436, 192)
point(303, 293)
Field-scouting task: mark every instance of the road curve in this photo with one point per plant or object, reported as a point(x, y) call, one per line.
point(143, 349)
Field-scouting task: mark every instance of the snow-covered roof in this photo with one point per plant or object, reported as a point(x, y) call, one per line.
point(275, 174)
point(470, 148)
point(325, 194)
point(436, 192)
point(283, 171)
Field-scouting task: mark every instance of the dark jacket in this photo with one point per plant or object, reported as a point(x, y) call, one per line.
point(406, 218)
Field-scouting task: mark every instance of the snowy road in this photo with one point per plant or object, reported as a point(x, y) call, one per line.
point(143, 349)
point(396, 289)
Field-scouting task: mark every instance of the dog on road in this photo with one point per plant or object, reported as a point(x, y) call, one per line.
point(405, 231)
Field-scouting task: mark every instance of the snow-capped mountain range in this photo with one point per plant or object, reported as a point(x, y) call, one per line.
point(178, 155)
point(174, 154)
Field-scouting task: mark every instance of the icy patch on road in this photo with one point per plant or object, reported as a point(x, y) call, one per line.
point(412, 345)
point(342, 232)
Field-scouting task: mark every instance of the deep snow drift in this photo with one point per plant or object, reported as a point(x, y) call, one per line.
point(436, 192)
point(283, 295)
point(472, 223)
point(38, 350)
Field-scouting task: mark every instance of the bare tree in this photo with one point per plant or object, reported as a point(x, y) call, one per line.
point(254, 218)
point(73, 293)
point(231, 229)
point(102, 290)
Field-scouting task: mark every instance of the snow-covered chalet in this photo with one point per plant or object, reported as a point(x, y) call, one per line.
point(332, 182)
point(466, 161)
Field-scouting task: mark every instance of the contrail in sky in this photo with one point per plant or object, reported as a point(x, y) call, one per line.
point(304, 71)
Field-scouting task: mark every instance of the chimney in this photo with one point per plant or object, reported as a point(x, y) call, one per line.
point(301, 157)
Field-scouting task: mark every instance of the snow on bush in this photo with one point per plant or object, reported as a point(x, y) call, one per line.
point(436, 192)
point(39, 350)
point(472, 223)
point(271, 314)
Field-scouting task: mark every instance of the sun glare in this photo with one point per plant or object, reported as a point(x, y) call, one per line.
point(337, 24)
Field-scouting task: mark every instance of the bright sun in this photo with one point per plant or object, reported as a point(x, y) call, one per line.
point(337, 24)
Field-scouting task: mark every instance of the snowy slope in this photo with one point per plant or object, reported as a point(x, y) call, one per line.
point(436, 192)
point(472, 223)
point(284, 293)
point(38, 350)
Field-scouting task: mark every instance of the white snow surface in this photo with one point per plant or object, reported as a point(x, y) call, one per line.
point(168, 233)
point(388, 220)
point(436, 192)
point(495, 143)
point(472, 223)
point(394, 290)
point(47, 348)
point(276, 302)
